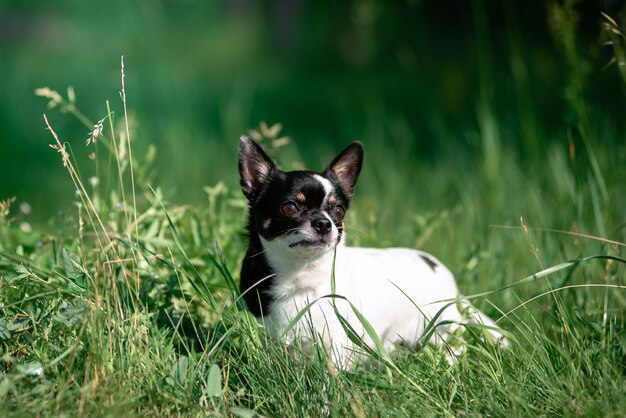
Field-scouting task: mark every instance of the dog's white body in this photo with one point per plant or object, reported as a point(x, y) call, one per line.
point(398, 291)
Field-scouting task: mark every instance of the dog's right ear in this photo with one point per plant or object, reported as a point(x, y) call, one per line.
point(255, 167)
point(347, 166)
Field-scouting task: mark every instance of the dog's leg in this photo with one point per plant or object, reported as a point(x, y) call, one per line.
point(451, 336)
point(476, 317)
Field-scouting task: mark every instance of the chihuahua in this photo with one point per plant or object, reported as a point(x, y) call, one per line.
point(297, 260)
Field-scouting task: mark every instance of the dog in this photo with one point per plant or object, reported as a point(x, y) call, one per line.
point(297, 260)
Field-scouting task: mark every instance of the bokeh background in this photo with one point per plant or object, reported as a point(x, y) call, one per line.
point(478, 86)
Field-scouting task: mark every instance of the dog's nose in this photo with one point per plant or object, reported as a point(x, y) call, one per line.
point(321, 225)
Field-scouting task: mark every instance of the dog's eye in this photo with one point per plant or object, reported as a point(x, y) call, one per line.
point(339, 211)
point(289, 208)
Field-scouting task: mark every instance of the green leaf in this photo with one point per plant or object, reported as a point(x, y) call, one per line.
point(73, 269)
point(18, 324)
point(242, 412)
point(213, 385)
point(5, 387)
point(180, 370)
point(196, 233)
point(33, 369)
point(71, 314)
point(4, 331)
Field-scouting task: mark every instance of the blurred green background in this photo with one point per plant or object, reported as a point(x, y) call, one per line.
point(474, 85)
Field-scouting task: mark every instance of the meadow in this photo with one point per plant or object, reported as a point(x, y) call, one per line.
point(118, 293)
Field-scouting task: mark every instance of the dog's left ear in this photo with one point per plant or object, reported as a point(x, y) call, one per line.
point(347, 166)
point(255, 167)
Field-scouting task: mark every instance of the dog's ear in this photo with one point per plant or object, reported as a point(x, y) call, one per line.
point(255, 167)
point(347, 166)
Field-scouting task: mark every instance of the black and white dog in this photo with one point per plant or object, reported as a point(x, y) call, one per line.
point(296, 230)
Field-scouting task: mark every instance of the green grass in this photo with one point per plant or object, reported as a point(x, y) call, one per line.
point(127, 303)
point(143, 319)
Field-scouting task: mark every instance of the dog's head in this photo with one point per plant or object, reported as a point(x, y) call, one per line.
point(298, 213)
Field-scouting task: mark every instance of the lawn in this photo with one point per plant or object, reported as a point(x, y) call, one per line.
point(120, 255)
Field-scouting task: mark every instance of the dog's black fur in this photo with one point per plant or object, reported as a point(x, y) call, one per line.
point(268, 189)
